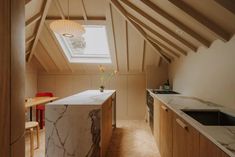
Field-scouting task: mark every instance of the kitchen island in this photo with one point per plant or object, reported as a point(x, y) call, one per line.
point(80, 125)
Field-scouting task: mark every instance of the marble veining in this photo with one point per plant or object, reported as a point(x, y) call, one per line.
point(222, 136)
point(94, 151)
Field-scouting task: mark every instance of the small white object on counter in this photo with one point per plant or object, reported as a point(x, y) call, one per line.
point(222, 136)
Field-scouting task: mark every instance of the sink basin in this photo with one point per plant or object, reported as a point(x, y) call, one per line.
point(211, 117)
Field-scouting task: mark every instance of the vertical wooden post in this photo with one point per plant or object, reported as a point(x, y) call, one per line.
point(12, 72)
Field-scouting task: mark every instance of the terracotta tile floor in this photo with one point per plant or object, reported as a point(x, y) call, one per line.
point(130, 139)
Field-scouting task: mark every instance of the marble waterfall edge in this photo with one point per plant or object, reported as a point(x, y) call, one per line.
point(72, 131)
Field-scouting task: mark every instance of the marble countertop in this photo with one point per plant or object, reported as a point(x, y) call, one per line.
point(222, 136)
point(88, 97)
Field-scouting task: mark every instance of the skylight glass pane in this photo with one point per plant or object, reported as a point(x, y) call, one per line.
point(92, 47)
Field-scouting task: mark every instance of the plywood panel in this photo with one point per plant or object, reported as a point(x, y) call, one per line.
point(47, 83)
point(29, 31)
point(130, 92)
point(53, 50)
point(151, 57)
point(32, 8)
point(135, 49)
point(136, 97)
point(119, 83)
point(121, 43)
point(66, 83)
point(74, 7)
point(44, 58)
point(95, 10)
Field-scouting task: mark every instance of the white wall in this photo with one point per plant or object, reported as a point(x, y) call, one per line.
point(130, 90)
point(208, 74)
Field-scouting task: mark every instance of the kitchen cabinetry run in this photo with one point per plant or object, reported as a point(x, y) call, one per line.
point(106, 123)
point(156, 126)
point(207, 148)
point(185, 139)
point(165, 131)
point(177, 138)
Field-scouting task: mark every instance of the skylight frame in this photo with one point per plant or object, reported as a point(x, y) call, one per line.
point(85, 58)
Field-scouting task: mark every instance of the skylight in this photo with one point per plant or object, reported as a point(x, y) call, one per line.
point(92, 47)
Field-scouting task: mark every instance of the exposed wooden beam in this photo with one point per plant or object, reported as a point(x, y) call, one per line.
point(33, 20)
point(58, 6)
point(165, 47)
point(84, 10)
point(114, 37)
point(227, 4)
point(30, 39)
point(220, 32)
point(158, 34)
point(27, 1)
point(160, 25)
point(44, 10)
point(127, 47)
point(178, 23)
point(79, 18)
point(119, 7)
point(144, 52)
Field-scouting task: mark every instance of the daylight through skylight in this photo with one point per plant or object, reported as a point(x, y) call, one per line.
point(92, 47)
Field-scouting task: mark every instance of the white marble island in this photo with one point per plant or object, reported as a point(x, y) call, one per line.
point(80, 125)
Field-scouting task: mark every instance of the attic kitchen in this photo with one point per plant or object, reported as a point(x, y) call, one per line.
point(117, 78)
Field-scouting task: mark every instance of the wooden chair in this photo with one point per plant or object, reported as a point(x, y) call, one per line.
point(30, 126)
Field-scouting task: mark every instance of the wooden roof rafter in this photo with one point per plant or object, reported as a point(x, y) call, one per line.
point(176, 22)
point(160, 25)
point(145, 26)
point(44, 9)
point(118, 6)
point(227, 4)
point(33, 20)
point(220, 32)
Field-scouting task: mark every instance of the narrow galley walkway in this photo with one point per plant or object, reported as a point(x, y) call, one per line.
point(132, 139)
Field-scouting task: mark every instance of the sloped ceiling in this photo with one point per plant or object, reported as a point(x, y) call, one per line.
point(140, 32)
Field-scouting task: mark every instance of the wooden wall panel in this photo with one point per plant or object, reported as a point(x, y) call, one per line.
point(135, 50)
point(12, 70)
point(130, 90)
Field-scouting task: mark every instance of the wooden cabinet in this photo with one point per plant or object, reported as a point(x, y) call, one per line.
point(185, 139)
point(106, 126)
point(207, 148)
point(156, 117)
point(165, 131)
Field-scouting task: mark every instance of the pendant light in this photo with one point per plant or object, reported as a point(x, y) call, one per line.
point(67, 28)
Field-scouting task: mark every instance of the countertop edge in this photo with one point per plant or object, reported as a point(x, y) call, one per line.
point(185, 117)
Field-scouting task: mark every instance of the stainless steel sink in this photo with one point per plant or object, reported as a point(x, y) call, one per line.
point(211, 117)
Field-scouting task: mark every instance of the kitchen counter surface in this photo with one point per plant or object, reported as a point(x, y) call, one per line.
point(222, 136)
point(88, 97)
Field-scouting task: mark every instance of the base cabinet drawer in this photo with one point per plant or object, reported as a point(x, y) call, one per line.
point(185, 139)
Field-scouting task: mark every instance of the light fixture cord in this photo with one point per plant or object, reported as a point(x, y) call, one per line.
point(68, 9)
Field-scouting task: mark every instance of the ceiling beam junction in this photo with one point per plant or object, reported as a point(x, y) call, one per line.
point(176, 22)
point(44, 10)
point(220, 32)
point(160, 25)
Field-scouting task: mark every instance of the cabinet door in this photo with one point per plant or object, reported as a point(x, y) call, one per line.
point(207, 148)
point(185, 139)
point(165, 131)
point(156, 120)
point(106, 126)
